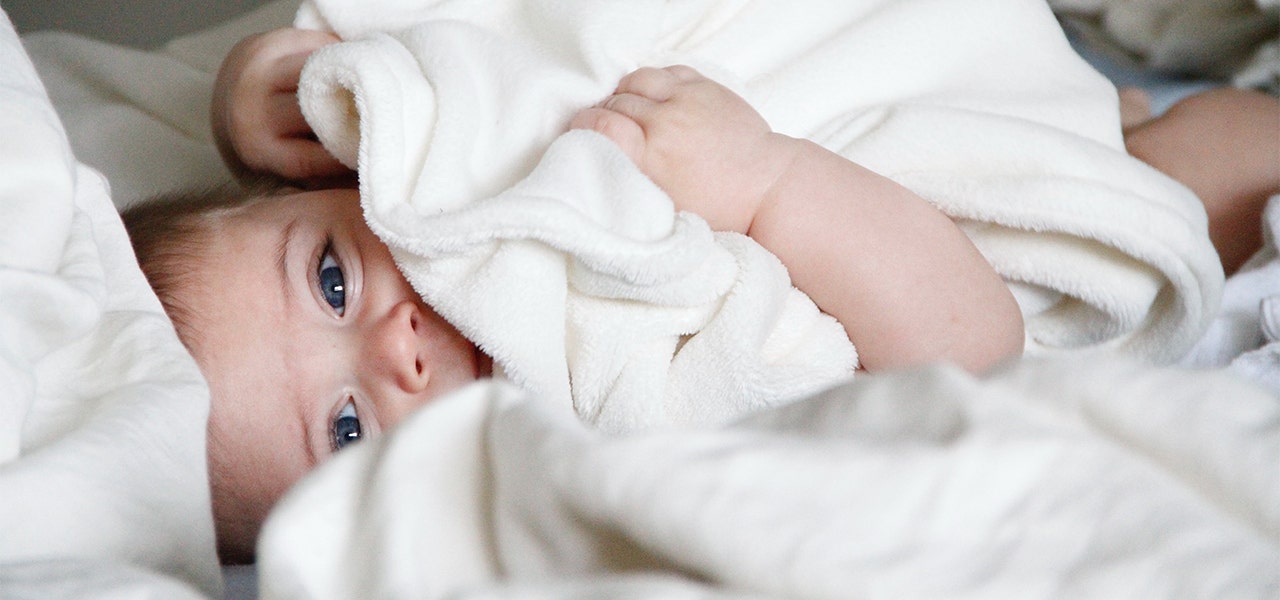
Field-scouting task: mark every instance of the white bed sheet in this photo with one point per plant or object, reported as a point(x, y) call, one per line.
point(102, 454)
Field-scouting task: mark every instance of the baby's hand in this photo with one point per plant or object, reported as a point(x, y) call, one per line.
point(701, 143)
point(256, 119)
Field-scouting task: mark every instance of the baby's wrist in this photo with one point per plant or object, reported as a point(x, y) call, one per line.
point(787, 154)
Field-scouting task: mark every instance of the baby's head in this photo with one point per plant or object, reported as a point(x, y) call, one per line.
point(309, 336)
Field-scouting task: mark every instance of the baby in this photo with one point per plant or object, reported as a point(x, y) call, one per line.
point(315, 340)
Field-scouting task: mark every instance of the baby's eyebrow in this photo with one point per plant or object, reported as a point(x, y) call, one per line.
point(282, 255)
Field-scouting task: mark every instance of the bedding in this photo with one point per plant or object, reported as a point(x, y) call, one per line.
point(102, 458)
point(1226, 40)
point(1245, 336)
point(1081, 477)
point(153, 105)
point(1069, 474)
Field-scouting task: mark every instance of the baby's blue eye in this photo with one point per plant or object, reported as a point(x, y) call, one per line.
point(346, 427)
point(333, 285)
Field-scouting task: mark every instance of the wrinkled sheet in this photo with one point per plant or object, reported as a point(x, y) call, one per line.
point(1081, 477)
point(102, 458)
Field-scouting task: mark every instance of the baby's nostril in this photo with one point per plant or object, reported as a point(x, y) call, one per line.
point(417, 366)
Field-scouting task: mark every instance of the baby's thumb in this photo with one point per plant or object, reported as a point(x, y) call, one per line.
point(624, 132)
point(303, 159)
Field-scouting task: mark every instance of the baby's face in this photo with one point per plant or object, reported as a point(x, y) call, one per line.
point(310, 339)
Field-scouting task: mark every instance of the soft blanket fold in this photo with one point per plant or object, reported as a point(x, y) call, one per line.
point(1036, 482)
point(561, 260)
point(103, 483)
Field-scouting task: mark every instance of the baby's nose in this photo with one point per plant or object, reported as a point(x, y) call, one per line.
point(400, 347)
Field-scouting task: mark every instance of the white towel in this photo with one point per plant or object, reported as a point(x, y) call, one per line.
point(568, 266)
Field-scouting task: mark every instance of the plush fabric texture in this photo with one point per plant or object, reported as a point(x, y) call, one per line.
point(570, 268)
point(1245, 336)
point(102, 456)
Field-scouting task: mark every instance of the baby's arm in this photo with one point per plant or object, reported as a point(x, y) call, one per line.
point(256, 120)
point(1224, 144)
point(906, 283)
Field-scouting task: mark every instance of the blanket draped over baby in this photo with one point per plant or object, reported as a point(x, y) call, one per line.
point(1072, 477)
point(561, 260)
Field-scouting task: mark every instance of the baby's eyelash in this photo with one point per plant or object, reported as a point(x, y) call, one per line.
point(323, 249)
point(345, 427)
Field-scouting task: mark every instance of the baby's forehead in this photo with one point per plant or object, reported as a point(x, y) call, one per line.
point(322, 205)
point(260, 205)
point(264, 214)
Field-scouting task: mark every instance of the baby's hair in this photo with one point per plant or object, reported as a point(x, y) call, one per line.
point(169, 232)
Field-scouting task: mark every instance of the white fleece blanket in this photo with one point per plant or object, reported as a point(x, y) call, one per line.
point(572, 270)
point(1245, 336)
point(1071, 477)
point(102, 473)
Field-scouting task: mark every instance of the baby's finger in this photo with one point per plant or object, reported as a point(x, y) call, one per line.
point(286, 71)
point(285, 53)
point(284, 115)
point(684, 73)
point(654, 84)
point(302, 159)
point(637, 107)
point(624, 132)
